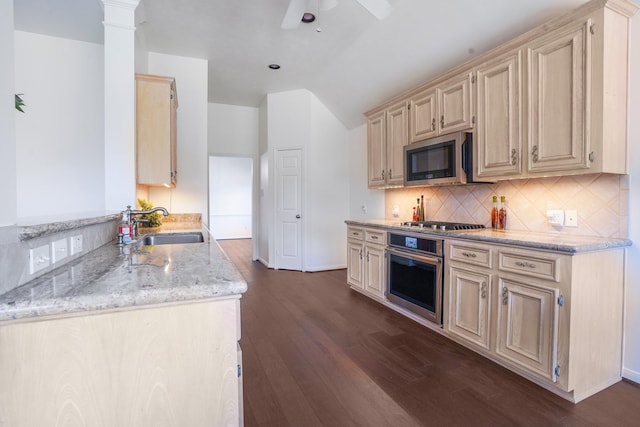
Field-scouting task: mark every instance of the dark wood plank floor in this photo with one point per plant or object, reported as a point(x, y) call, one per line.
point(316, 353)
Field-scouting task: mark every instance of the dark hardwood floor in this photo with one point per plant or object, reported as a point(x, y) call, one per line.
point(316, 353)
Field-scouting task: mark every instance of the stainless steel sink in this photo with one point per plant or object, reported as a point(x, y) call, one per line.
point(171, 238)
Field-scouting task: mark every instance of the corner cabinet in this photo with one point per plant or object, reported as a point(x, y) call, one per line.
point(366, 261)
point(156, 130)
point(387, 135)
point(554, 318)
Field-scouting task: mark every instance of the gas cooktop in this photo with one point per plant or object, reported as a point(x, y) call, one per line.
point(439, 225)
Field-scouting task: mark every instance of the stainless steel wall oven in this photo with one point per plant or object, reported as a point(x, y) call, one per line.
point(415, 274)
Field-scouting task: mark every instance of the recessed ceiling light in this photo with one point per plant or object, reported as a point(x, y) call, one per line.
point(274, 66)
point(308, 17)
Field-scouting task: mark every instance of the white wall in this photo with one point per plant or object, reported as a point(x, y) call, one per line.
point(7, 117)
point(265, 206)
point(297, 119)
point(327, 192)
point(359, 193)
point(60, 138)
point(190, 194)
point(233, 130)
point(631, 363)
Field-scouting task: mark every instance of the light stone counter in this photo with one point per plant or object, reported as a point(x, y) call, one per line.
point(113, 277)
point(559, 242)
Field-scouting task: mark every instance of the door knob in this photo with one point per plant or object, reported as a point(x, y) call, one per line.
point(298, 216)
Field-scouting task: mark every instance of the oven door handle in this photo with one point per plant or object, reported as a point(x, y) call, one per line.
point(414, 256)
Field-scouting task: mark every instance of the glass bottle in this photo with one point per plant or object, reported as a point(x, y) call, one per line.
point(502, 214)
point(494, 213)
point(421, 208)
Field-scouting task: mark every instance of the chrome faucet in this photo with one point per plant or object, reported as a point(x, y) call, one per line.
point(127, 216)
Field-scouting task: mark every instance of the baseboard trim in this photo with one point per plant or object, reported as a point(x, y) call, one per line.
point(326, 268)
point(631, 375)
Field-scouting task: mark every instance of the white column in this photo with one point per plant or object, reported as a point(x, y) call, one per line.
point(119, 103)
point(8, 194)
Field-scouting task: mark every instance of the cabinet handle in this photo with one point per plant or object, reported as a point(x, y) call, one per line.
point(383, 174)
point(373, 237)
point(505, 296)
point(514, 156)
point(469, 254)
point(483, 290)
point(367, 256)
point(360, 253)
point(534, 153)
point(433, 124)
point(525, 264)
point(389, 174)
point(442, 122)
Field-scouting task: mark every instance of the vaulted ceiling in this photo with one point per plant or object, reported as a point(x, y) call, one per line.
point(349, 59)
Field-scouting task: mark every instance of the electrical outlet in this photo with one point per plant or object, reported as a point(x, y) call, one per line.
point(555, 216)
point(75, 244)
point(571, 218)
point(39, 259)
point(396, 211)
point(59, 250)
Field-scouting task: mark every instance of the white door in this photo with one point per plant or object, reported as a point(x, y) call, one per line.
point(289, 209)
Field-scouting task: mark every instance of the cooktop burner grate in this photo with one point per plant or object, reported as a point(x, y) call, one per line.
point(438, 225)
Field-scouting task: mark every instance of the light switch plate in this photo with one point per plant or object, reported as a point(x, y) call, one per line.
point(75, 244)
point(39, 259)
point(555, 216)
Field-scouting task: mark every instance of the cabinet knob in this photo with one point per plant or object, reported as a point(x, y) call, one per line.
point(433, 124)
point(383, 174)
point(442, 122)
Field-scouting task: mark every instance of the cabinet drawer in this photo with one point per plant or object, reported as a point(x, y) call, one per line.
point(530, 265)
point(471, 255)
point(376, 236)
point(355, 233)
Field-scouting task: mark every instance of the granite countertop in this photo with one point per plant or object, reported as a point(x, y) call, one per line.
point(558, 242)
point(113, 277)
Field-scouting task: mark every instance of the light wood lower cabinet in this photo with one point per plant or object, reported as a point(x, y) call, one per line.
point(174, 365)
point(554, 318)
point(366, 265)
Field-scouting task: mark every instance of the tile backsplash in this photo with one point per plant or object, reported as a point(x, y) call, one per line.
point(601, 201)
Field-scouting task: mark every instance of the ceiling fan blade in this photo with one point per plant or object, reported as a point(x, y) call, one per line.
point(328, 4)
point(294, 14)
point(378, 8)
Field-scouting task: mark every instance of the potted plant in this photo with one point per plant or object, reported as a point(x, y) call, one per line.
point(19, 103)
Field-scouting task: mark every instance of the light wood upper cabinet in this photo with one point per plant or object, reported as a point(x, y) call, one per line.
point(441, 109)
point(559, 111)
point(550, 102)
point(423, 123)
point(454, 104)
point(156, 130)
point(499, 110)
point(387, 134)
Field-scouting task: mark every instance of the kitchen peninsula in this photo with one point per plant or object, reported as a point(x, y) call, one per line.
point(126, 335)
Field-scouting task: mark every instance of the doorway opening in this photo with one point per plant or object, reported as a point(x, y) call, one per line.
point(231, 197)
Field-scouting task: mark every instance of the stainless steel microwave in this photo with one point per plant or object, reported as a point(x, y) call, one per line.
point(446, 159)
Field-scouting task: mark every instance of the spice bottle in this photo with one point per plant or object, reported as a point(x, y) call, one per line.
point(494, 213)
point(502, 214)
point(421, 208)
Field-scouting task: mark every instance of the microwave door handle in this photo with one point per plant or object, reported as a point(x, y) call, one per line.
point(464, 156)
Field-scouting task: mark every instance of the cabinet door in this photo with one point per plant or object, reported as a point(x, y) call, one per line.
point(528, 326)
point(397, 137)
point(374, 277)
point(469, 306)
point(499, 146)
point(559, 73)
point(354, 264)
point(376, 151)
point(422, 116)
point(156, 104)
point(454, 104)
